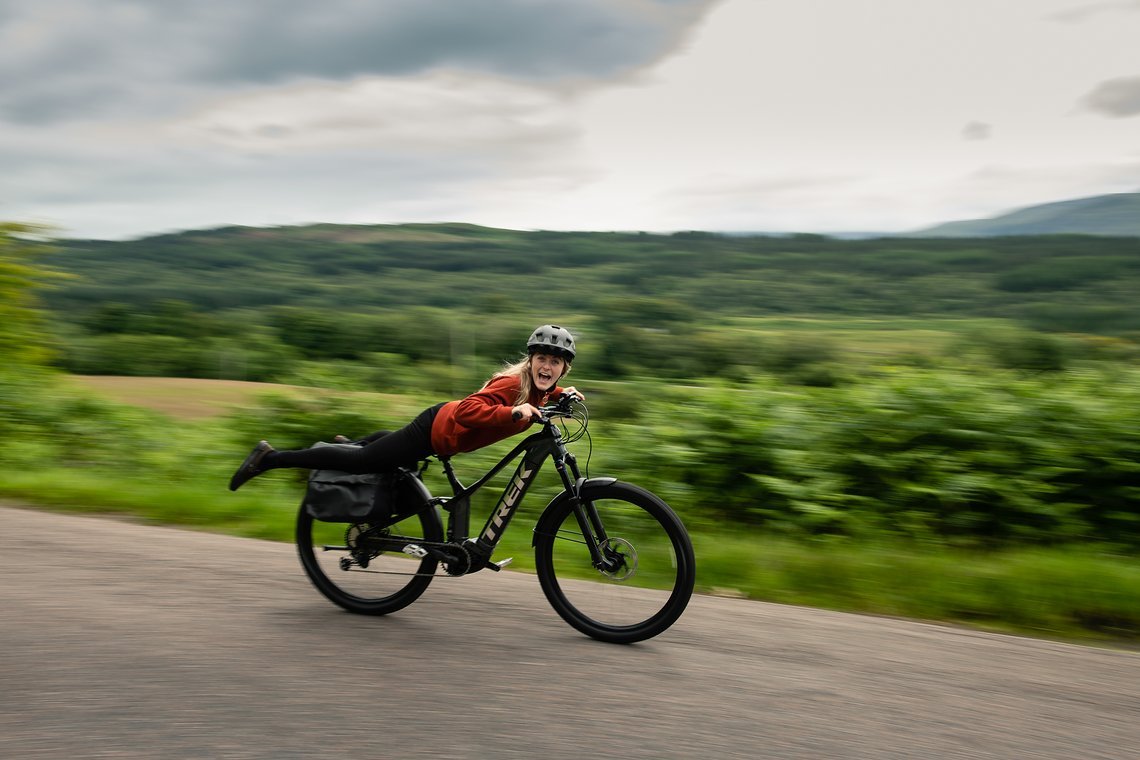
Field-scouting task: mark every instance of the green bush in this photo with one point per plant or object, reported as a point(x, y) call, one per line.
point(256, 357)
point(43, 422)
point(932, 456)
point(292, 422)
point(1016, 349)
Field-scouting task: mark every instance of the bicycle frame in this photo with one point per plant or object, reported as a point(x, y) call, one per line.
point(535, 449)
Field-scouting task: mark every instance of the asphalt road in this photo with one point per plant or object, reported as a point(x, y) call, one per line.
point(120, 640)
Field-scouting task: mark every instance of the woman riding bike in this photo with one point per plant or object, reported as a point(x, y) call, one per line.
point(505, 406)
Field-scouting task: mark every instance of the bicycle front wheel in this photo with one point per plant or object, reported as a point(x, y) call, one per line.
point(647, 576)
point(361, 568)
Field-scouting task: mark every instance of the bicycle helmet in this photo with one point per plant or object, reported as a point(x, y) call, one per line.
point(552, 339)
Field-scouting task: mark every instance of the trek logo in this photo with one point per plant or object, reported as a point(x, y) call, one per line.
point(514, 491)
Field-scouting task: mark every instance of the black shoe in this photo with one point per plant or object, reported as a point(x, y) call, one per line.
point(251, 467)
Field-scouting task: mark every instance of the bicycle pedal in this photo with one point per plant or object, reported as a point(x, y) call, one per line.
point(497, 566)
point(415, 550)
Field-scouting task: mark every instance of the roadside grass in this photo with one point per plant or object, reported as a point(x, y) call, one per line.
point(201, 505)
point(1054, 593)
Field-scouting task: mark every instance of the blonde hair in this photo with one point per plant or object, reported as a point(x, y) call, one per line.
point(521, 370)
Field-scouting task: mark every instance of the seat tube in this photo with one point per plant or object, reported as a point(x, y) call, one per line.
point(459, 508)
point(458, 518)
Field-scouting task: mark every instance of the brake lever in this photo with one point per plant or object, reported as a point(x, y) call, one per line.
point(516, 416)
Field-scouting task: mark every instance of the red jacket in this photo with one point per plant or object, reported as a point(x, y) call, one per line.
point(482, 418)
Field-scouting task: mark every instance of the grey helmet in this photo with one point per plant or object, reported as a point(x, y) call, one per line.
point(552, 339)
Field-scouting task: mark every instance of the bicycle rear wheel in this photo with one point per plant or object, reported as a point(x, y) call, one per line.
point(360, 568)
point(652, 572)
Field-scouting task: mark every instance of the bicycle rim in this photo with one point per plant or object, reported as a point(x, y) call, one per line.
point(347, 565)
point(651, 581)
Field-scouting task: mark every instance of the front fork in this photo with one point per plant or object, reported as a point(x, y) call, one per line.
point(589, 521)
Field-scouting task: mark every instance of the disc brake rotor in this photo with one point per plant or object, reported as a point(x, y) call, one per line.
point(619, 547)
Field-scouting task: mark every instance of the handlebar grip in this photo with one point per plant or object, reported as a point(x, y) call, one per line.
point(516, 415)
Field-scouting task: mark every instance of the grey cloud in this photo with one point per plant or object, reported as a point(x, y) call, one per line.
point(976, 130)
point(32, 107)
point(509, 37)
point(100, 194)
point(1084, 12)
point(74, 59)
point(1117, 98)
point(144, 57)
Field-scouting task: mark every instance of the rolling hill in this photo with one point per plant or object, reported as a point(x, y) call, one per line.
point(1115, 215)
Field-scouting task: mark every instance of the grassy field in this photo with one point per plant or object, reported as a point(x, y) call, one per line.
point(1084, 594)
point(183, 398)
point(876, 337)
point(193, 399)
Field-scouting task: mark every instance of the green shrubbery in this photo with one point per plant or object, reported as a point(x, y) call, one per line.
point(925, 456)
point(929, 456)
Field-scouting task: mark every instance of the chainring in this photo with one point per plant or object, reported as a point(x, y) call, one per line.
point(461, 564)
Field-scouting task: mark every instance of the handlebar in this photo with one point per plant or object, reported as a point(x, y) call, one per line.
point(561, 408)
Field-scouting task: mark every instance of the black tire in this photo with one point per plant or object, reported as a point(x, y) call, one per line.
point(642, 597)
point(390, 581)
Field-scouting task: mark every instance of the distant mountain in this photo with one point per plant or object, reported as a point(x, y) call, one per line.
point(1113, 215)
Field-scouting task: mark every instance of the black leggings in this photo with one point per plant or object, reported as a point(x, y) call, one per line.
point(383, 450)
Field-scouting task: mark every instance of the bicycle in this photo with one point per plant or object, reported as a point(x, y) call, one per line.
point(613, 560)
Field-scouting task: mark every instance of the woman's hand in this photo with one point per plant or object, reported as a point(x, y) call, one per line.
point(525, 412)
point(572, 391)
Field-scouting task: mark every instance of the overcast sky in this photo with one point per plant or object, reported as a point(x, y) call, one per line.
point(120, 119)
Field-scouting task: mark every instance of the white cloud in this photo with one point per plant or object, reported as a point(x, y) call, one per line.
point(444, 112)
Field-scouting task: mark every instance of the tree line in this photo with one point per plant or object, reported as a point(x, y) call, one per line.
point(251, 303)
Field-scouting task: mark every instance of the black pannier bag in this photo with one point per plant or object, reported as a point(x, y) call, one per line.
point(375, 498)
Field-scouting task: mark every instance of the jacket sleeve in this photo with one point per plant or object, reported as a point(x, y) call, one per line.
point(489, 407)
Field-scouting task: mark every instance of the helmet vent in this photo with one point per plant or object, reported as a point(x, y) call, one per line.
point(552, 336)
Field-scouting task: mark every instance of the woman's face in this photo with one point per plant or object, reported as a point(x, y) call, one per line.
point(546, 370)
